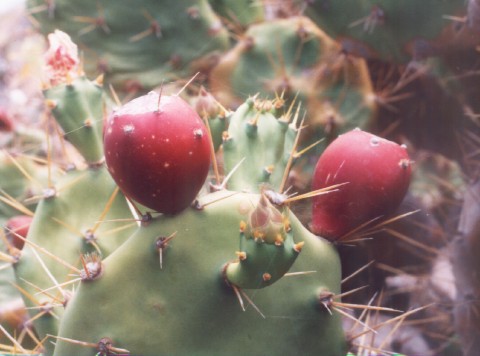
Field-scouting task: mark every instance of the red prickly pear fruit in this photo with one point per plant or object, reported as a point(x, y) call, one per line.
point(6, 123)
point(376, 173)
point(157, 150)
point(17, 225)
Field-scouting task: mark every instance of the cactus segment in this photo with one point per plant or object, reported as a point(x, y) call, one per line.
point(22, 179)
point(138, 42)
point(269, 58)
point(70, 221)
point(175, 304)
point(267, 248)
point(238, 13)
point(294, 58)
point(264, 142)
point(213, 114)
point(383, 29)
point(79, 108)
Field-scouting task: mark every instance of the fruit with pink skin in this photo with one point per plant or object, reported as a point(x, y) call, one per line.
point(6, 123)
point(376, 173)
point(17, 225)
point(158, 151)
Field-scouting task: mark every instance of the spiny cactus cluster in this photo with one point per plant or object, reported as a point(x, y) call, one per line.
point(396, 31)
point(182, 37)
point(219, 218)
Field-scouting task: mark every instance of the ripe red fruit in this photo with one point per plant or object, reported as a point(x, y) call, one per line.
point(377, 173)
point(158, 151)
point(17, 225)
point(6, 123)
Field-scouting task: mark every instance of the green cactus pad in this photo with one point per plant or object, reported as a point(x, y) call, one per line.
point(138, 43)
point(239, 13)
point(186, 308)
point(383, 28)
point(267, 248)
point(263, 141)
point(294, 57)
point(21, 186)
point(62, 225)
point(79, 108)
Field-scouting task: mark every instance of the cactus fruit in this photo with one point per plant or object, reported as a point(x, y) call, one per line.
point(169, 307)
point(383, 29)
point(6, 123)
point(19, 224)
point(158, 151)
point(168, 39)
point(375, 173)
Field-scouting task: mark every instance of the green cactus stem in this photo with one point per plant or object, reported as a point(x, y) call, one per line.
point(79, 108)
point(267, 248)
point(264, 142)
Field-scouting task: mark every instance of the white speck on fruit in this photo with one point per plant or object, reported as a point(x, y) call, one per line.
point(166, 165)
point(404, 163)
point(153, 136)
point(128, 129)
point(374, 141)
point(198, 133)
point(190, 153)
point(404, 146)
point(109, 131)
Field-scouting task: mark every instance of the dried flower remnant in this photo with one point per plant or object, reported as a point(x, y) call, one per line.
point(61, 59)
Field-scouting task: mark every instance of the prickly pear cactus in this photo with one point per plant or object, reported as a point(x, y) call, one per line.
point(238, 13)
point(71, 214)
point(260, 143)
point(383, 29)
point(70, 103)
point(239, 261)
point(67, 223)
point(143, 42)
point(22, 178)
point(189, 305)
point(293, 58)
